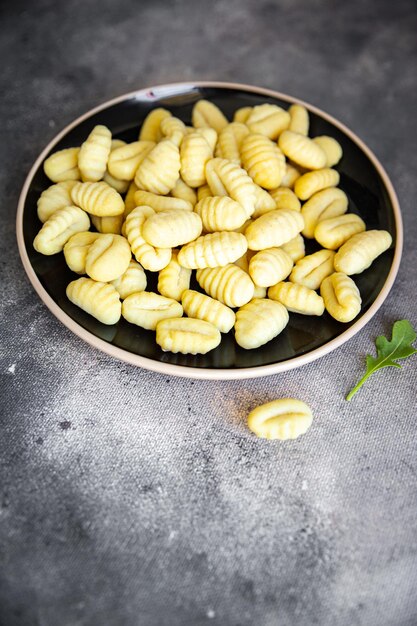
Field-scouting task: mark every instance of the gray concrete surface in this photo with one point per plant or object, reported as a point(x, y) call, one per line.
point(128, 498)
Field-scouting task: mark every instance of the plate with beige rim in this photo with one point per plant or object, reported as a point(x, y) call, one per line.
point(306, 338)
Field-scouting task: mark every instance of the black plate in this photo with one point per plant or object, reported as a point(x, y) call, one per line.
point(361, 177)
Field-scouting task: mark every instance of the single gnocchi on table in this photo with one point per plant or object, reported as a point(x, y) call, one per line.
point(219, 226)
point(286, 418)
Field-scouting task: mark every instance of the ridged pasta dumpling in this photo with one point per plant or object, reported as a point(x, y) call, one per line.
point(213, 250)
point(258, 322)
point(58, 229)
point(228, 179)
point(206, 114)
point(55, 197)
point(302, 150)
point(94, 154)
point(268, 119)
point(220, 213)
point(98, 299)
point(160, 169)
point(98, 199)
point(263, 161)
point(229, 284)
point(195, 152)
point(62, 165)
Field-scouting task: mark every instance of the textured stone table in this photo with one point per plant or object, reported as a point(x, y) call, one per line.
point(128, 498)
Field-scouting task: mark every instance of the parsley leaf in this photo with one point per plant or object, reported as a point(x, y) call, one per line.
point(400, 347)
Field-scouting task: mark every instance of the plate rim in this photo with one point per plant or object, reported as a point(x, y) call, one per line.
point(184, 371)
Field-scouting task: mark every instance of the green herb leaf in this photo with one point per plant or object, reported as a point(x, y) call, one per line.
point(400, 347)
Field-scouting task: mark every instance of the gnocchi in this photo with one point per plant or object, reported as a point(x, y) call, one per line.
point(259, 321)
point(59, 228)
point(341, 297)
point(286, 418)
point(297, 298)
point(100, 300)
point(228, 179)
point(94, 154)
point(187, 335)
point(147, 308)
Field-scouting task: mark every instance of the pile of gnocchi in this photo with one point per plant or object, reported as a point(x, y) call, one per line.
point(234, 201)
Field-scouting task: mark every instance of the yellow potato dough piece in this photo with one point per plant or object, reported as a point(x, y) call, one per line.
point(153, 259)
point(290, 176)
point(241, 115)
point(302, 150)
point(204, 192)
point(270, 266)
point(264, 202)
point(274, 229)
point(299, 119)
point(285, 198)
point(55, 197)
point(268, 119)
point(334, 232)
point(331, 148)
point(58, 229)
point(311, 270)
point(94, 154)
point(187, 335)
point(160, 169)
point(108, 225)
point(230, 141)
point(76, 248)
point(125, 160)
point(323, 205)
point(174, 129)
point(62, 165)
point(229, 284)
point(174, 279)
point(282, 419)
point(131, 281)
point(108, 257)
point(151, 127)
point(243, 263)
point(146, 309)
point(297, 298)
point(295, 248)
point(195, 152)
point(361, 250)
point(341, 297)
point(130, 203)
point(312, 182)
point(98, 199)
point(119, 185)
point(259, 321)
point(206, 114)
point(169, 229)
point(198, 305)
point(228, 179)
point(220, 213)
point(98, 299)
point(263, 161)
point(183, 192)
point(161, 203)
point(213, 250)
